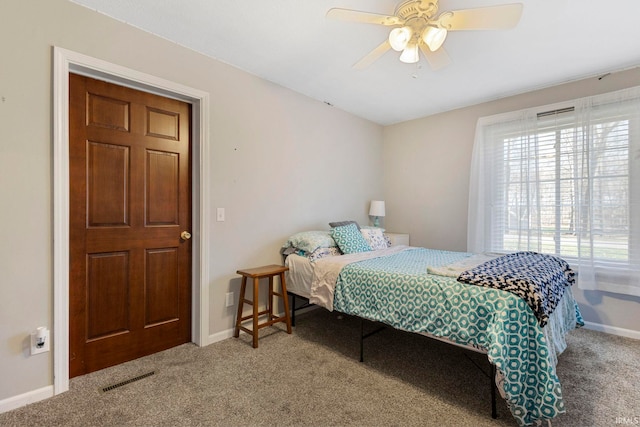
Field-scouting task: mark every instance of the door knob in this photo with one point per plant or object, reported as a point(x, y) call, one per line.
point(185, 235)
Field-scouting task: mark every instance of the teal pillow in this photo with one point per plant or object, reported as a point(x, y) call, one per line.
point(349, 239)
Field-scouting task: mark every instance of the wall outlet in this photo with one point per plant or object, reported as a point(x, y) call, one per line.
point(40, 342)
point(229, 299)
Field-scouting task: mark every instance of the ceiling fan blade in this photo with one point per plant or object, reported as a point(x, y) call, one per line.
point(438, 59)
point(485, 18)
point(366, 17)
point(372, 56)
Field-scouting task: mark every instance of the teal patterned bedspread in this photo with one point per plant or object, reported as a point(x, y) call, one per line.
point(398, 291)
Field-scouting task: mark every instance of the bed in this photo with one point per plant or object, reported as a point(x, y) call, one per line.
point(417, 290)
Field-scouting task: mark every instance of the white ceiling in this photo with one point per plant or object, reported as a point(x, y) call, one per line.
point(291, 43)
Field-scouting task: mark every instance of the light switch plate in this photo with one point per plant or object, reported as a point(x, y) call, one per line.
point(220, 214)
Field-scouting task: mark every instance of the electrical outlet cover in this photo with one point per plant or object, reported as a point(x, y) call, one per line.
point(229, 299)
point(34, 346)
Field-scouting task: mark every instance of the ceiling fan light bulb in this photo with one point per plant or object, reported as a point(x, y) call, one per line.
point(410, 54)
point(399, 38)
point(434, 37)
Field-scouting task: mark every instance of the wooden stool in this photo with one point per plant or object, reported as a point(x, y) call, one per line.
point(256, 274)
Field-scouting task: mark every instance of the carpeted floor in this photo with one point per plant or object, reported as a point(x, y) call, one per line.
point(313, 378)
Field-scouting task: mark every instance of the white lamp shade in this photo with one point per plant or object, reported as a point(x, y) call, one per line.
point(399, 37)
point(434, 37)
point(376, 208)
point(410, 54)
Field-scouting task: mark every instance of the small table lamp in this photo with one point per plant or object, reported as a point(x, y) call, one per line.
point(376, 210)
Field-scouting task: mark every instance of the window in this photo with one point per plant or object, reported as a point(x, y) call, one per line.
point(564, 181)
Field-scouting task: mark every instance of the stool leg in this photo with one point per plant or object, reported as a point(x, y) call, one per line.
point(270, 301)
point(256, 282)
point(243, 286)
point(285, 300)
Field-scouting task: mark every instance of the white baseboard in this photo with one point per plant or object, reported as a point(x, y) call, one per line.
point(21, 400)
point(614, 330)
point(219, 336)
point(223, 335)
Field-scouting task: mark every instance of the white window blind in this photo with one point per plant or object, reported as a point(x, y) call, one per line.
point(564, 181)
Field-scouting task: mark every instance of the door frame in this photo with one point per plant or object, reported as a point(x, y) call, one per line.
point(65, 62)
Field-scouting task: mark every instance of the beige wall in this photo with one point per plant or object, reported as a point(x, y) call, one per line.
point(279, 163)
point(426, 185)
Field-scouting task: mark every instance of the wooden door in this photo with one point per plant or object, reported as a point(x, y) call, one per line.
point(130, 200)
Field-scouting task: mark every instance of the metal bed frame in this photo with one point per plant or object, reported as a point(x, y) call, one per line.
point(380, 327)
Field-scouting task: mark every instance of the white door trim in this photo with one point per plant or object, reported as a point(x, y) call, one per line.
point(64, 62)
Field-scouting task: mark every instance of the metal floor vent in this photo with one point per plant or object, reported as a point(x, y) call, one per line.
point(125, 382)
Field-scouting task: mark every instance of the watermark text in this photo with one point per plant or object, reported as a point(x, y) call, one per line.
point(628, 421)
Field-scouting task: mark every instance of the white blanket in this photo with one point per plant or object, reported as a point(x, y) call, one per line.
point(456, 268)
point(326, 271)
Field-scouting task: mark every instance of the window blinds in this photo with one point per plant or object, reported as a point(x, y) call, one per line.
point(563, 182)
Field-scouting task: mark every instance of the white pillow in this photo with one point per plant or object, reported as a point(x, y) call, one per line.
point(375, 238)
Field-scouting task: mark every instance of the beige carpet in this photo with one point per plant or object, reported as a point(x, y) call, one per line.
point(313, 378)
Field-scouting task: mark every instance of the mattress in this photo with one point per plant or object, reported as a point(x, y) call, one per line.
point(299, 275)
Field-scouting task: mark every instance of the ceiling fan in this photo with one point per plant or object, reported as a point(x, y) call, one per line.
point(416, 27)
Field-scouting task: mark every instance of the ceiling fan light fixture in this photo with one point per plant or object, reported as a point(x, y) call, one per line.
point(434, 37)
point(399, 38)
point(416, 25)
point(410, 54)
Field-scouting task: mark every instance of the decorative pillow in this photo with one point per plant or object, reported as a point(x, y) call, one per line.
point(309, 241)
point(323, 252)
point(375, 238)
point(349, 239)
point(341, 223)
